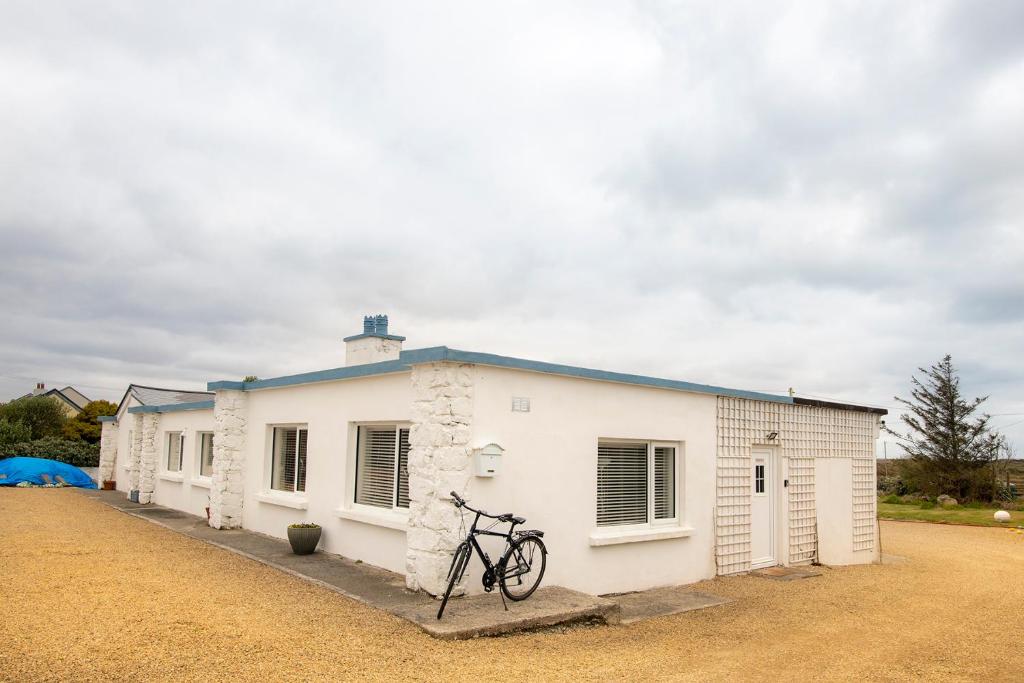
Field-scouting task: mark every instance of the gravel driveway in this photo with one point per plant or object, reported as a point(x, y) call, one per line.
point(90, 593)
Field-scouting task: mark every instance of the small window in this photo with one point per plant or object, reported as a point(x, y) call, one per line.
point(175, 442)
point(288, 469)
point(205, 454)
point(382, 466)
point(759, 478)
point(636, 483)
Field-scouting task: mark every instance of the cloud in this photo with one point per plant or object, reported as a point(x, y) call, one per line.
point(763, 196)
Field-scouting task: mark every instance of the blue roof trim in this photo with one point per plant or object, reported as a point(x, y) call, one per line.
point(107, 418)
point(351, 372)
point(365, 335)
point(440, 354)
point(172, 407)
point(225, 384)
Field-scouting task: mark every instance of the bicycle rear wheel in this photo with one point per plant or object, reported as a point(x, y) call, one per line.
point(458, 567)
point(522, 567)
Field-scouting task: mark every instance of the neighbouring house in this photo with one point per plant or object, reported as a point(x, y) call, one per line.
point(637, 481)
point(71, 401)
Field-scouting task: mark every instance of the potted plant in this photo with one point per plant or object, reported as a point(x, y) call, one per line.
point(304, 537)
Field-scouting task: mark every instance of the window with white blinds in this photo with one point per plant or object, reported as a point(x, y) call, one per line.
point(205, 454)
point(636, 483)
point(175, 442)
point(382, 466)
point(288, 470)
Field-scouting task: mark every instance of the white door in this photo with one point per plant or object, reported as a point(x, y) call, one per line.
point(763, 510)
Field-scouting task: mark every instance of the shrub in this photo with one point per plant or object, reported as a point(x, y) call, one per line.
point(927, 505)
point(303, 526)
point(77, 453)
point(85, 426)
point(893, 500)
point(13, 432)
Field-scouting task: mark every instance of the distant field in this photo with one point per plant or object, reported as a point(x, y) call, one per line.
point(1016, 470)
point(939, 515)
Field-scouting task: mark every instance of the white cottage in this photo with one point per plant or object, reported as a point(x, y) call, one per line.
point(637, 481)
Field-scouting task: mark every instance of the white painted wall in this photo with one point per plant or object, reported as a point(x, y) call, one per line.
point(126, 424)
point(184, 490)
point(329, 410)
point(833, 479)
point(549, 473)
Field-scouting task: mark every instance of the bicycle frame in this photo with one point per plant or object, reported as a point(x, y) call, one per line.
point(474, 532)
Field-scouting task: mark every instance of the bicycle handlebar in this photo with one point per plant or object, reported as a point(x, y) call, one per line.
point(460, 502)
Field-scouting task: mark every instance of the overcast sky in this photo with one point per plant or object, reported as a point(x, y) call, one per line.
point(755, 195)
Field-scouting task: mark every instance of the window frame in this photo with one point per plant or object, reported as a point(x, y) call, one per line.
point(268, 488)
point(397, 426)
point(169, 436)
point(678, 480)
point(200, 438)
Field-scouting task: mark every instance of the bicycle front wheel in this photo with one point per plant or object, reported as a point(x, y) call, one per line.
point(522, 567)
point(459, 563)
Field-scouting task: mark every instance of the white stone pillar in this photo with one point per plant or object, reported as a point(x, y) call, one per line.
point(108, 451)
point(440, 457)
point(230, 416)
point(135, 457)
point(150, 453)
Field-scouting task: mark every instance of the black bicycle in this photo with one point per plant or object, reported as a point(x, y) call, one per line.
point(520, 568)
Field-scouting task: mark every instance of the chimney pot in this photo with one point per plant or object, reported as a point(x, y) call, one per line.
point(368, 324)
point(381, 324)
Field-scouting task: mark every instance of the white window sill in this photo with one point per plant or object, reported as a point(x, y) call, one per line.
point(288, 500)
point(385, 518)
point(172, 476)
point(204, 482)
point(600, 537)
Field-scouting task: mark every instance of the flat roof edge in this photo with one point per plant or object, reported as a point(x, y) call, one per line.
point(838, 405)
point(442, 354)
point(347, 372)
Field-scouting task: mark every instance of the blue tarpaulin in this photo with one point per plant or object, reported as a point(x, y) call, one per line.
point(14, 471)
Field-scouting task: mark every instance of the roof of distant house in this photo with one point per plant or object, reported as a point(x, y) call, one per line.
point(69, 395)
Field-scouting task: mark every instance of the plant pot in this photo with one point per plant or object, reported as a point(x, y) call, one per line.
point(304, 540)
point(109, 485)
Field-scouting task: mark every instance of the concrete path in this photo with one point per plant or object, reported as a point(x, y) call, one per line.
point(787, 573)
point(660, 602)
point(467, 617)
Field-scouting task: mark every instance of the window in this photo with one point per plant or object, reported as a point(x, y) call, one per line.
point(382, 466)
point(205, 454)
point(175, 443)
point(288, 469)
point(759, 478)
point(636, 483)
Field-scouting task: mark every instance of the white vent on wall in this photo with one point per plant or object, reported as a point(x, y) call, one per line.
point(520, 404)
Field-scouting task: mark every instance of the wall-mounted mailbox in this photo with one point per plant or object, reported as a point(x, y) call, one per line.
point(488, 460)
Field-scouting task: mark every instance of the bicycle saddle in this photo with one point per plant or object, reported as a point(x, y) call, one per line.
point(509, 517)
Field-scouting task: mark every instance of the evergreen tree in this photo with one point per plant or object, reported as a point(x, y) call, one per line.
point(948, 445)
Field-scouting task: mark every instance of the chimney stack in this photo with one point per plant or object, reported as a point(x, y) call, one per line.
point(40, 389)
point(374, 345)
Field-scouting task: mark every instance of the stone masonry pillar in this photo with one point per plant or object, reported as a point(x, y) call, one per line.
point(135, 456)
point(440, 459)
point(108, 451)
point(150, 453)
point(230, 415)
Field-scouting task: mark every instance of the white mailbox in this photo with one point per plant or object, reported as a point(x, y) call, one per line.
point(488, 460)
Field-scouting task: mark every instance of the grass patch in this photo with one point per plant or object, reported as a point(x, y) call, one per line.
point(941, 515)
